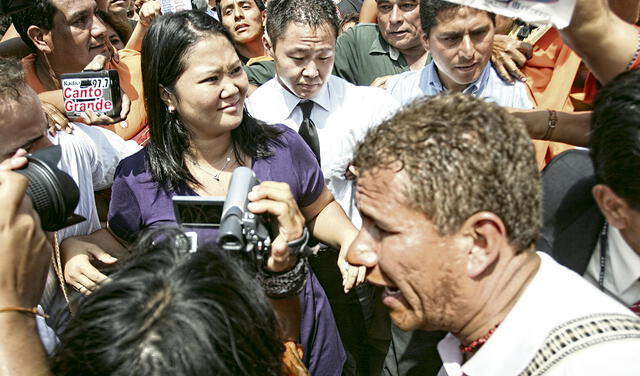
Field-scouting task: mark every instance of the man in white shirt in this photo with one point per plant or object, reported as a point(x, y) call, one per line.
point(302, 41)
point(342, 112)
point(89, 155)
point(451, 202)
point(460, 40)
point(592, 199)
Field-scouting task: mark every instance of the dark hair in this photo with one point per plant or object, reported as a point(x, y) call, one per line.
point(351, 17)
point(462, 155)
point(315, 13)
point(11, 79)
point(40, 14)
point(164, 47)
point(258, 3)
point(170, 312)
point(615, 136)
point(430, 9)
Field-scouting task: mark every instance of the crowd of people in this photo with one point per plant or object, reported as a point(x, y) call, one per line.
point(447, 191)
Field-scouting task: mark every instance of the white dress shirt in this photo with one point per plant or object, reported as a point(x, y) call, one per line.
point(622, 269)
point(90, 156)
point(342, 114)
point(408, 86)
point(554, 296)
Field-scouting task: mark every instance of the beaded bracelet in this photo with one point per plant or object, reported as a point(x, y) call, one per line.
point(33, 311)
point(287, 284)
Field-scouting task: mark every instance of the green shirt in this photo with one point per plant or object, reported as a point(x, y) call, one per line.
point(362, 55)
point(260, 72)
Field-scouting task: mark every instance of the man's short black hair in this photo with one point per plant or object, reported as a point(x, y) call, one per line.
point(40, 14)
point(430, 9)
point(315, 13)
point(615, 137)
point(259, 4)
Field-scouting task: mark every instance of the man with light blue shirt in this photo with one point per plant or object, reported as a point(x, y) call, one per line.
point(460, 40)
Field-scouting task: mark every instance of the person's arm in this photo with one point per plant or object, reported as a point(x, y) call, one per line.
point(329, 224)
point(603, 40)
point(25, 254)
point(149, 11)
point(78, 252)
point(369, 12)
point(571, 127)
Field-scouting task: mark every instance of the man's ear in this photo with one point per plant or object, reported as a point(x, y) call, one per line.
point(488, 234)
point(40, 38)
point(268, 46)
point(425, 41)
point(614, 208)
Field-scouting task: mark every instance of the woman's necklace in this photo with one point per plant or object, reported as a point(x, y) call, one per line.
point(215, 176)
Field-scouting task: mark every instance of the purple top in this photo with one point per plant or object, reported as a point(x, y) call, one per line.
point(137, 202)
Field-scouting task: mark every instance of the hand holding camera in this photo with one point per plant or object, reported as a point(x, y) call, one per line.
point(25, 252)
point(276, 199)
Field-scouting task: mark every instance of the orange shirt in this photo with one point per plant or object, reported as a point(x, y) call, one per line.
point(130, 75)
point(550, 74)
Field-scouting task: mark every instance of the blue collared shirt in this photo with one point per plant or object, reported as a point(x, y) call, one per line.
point(408, 86)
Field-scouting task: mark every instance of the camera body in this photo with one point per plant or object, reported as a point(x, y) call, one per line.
point(240, 229)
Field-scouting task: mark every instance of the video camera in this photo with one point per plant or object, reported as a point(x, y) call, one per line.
point(53, 193)
point(240, 229)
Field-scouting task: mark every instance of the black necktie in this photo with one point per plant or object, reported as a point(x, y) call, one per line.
point(308, 130)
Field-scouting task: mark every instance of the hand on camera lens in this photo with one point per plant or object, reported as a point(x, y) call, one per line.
point(276, 199)
point(18, 160)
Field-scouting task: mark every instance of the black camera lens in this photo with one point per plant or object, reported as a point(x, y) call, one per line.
point(54, 193)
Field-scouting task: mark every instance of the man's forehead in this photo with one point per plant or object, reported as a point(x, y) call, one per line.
point(297, 32)
point(21, 121)
point(387, 183)
point(68, 8)
point(226, 3)
point(449, 16)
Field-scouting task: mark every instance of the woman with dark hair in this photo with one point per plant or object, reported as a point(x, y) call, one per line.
point(195, 88)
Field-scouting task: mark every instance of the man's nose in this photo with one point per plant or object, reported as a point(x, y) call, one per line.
point(311, 69)
point(467, 48)
point(237, 12)
point(396, 15)
point(361, 252)
point(98, 30)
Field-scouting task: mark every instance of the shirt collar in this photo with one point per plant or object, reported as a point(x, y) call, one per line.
point(380, 46)
point(625, 263)
point(514, 354)
point(431, 78)
point(291, 101)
